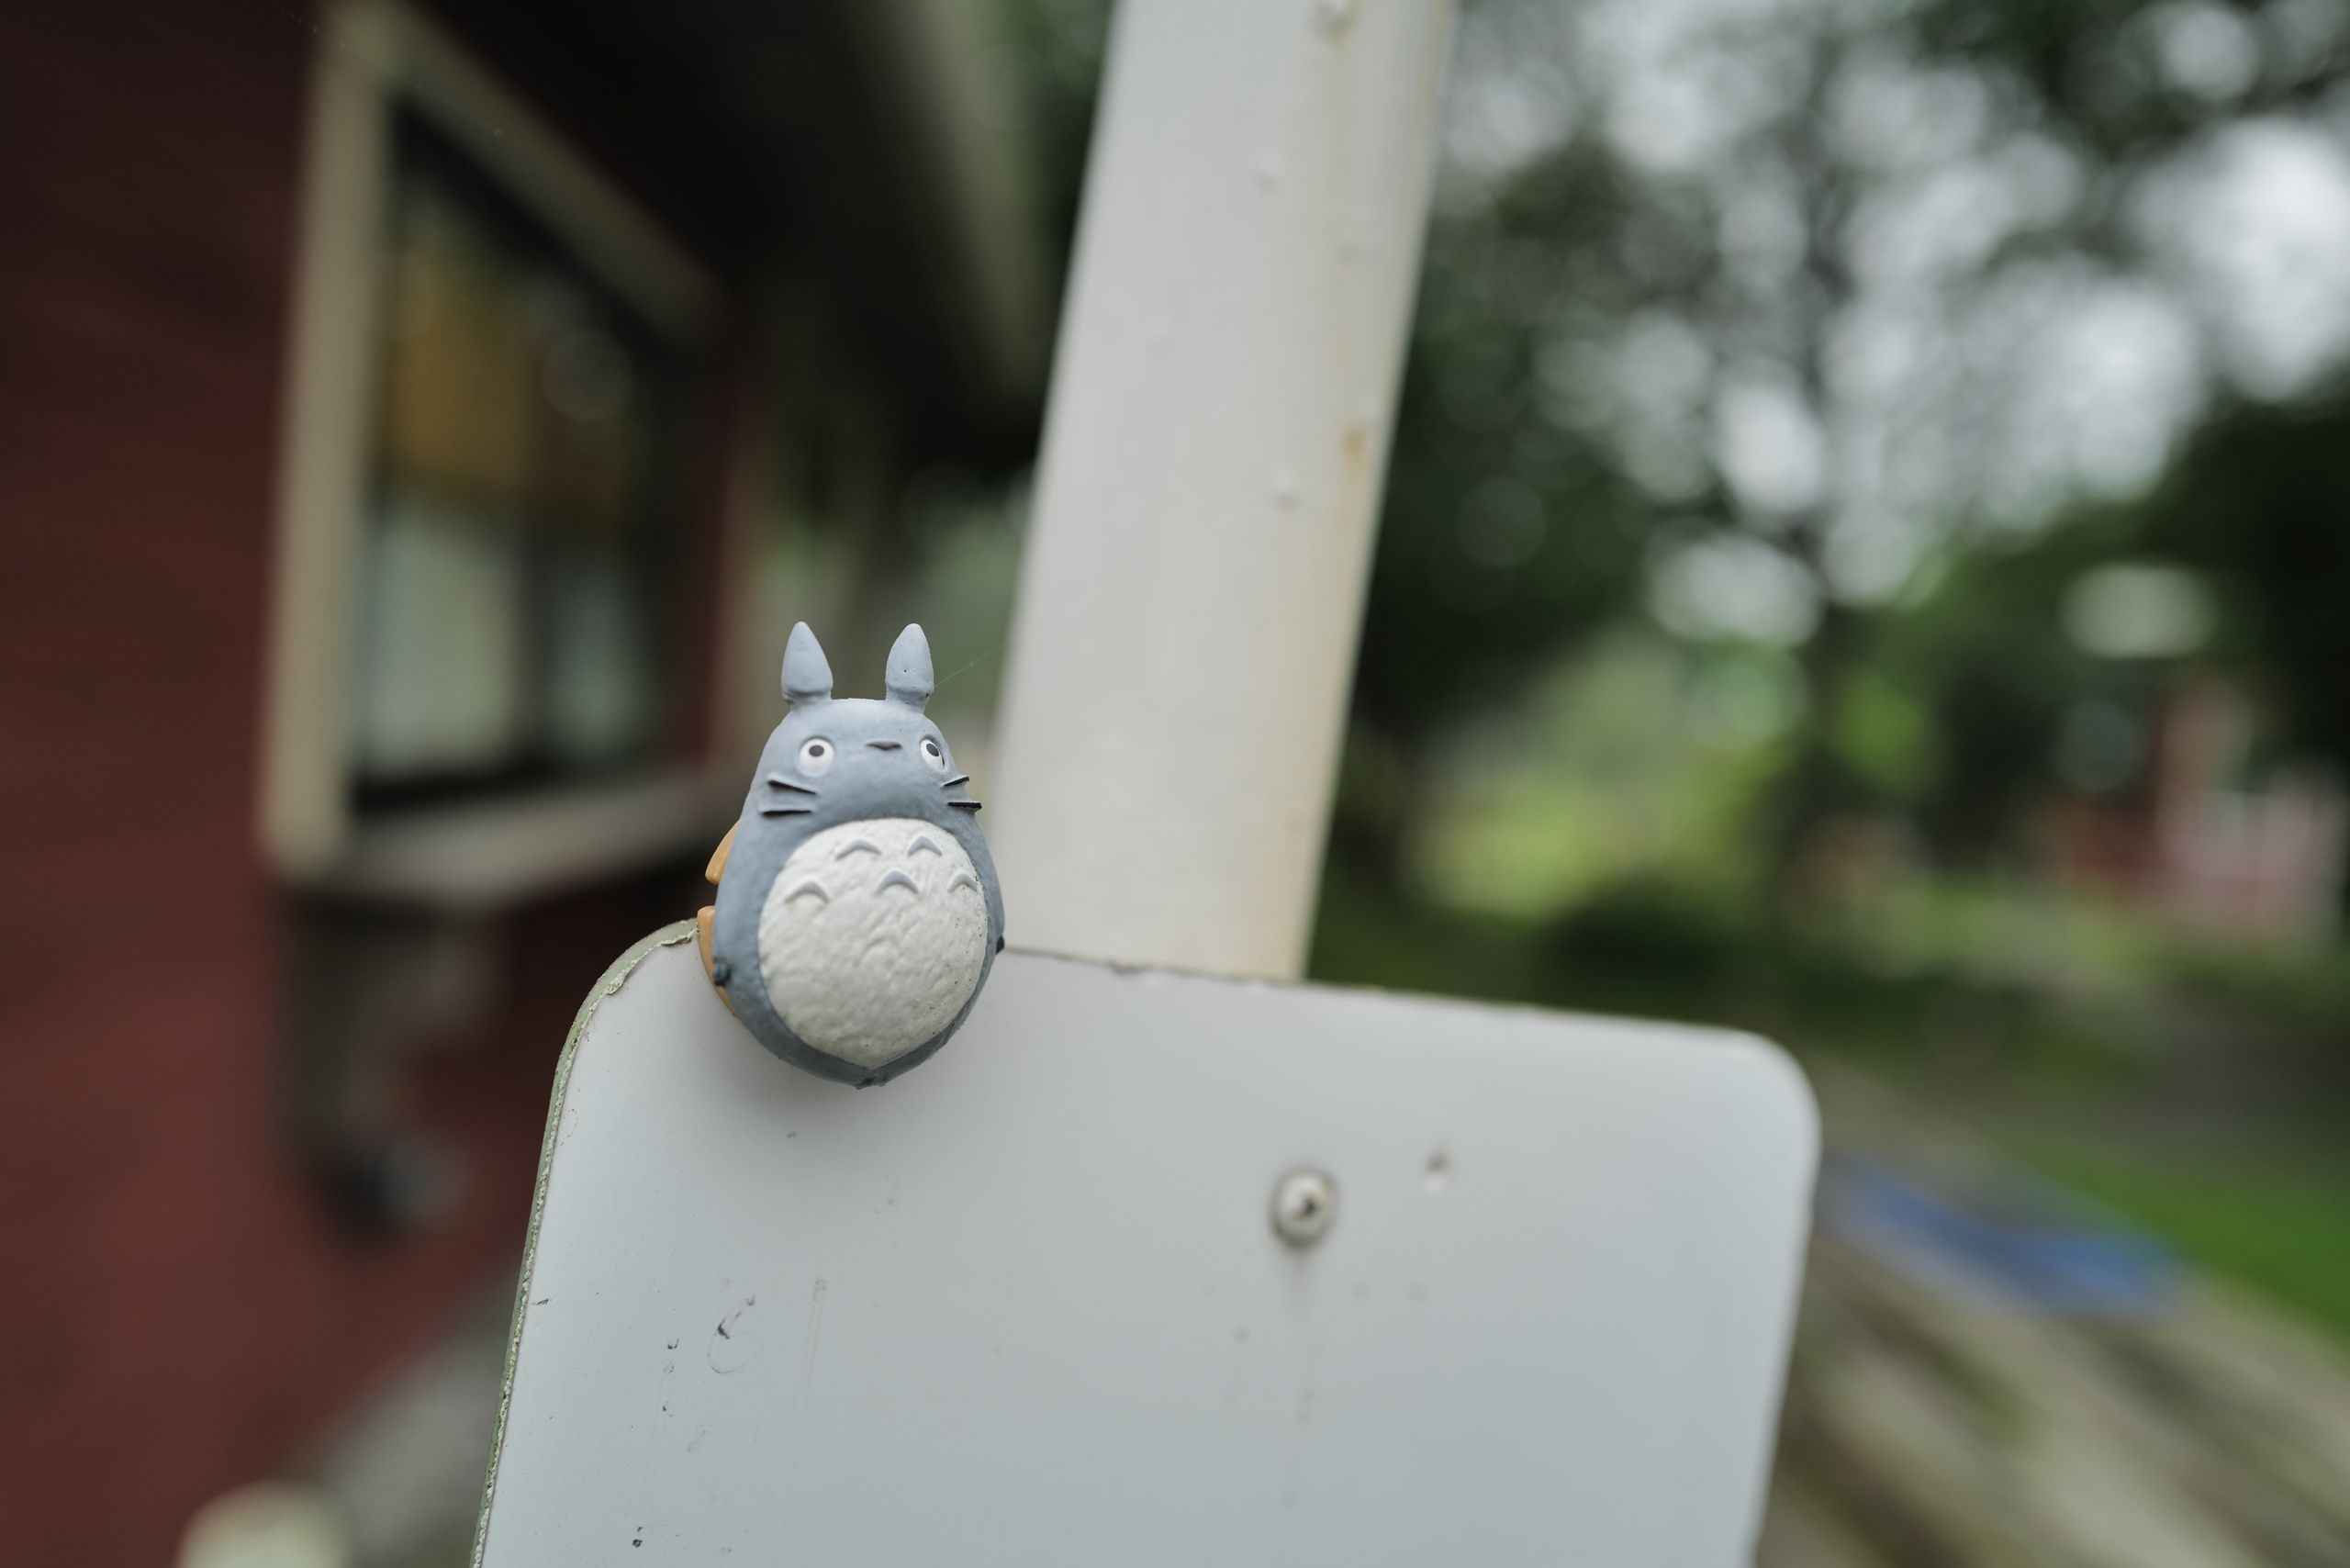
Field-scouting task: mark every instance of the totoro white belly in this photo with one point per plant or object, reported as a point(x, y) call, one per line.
point(872, 937)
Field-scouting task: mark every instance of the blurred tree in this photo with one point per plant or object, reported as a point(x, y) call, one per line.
point(1985, 649)
point(1058, 46)
point(1773, 310)
point(2255, 504)
point(1505, 534)
point(2260, 498)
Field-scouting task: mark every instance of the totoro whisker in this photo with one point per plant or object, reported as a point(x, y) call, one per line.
point(786, 811)
point(965, 805)
point(958, 778)
point(776, 781)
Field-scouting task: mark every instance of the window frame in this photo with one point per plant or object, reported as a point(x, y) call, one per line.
point(375, 59)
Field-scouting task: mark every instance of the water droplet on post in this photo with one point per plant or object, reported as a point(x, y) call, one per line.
point(1333, 17)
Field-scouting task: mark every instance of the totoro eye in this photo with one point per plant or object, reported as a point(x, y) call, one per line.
point(932, 754)
point(816, 755)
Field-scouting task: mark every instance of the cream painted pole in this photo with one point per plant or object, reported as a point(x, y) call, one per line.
point(1191, 592)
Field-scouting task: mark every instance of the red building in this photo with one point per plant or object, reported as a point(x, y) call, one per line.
point(2210, 832)
point(389, 409)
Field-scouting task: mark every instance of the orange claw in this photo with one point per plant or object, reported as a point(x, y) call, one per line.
point(706, 913)
point(702, 918)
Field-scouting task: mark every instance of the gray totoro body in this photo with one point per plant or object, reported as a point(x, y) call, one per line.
point(857, 912)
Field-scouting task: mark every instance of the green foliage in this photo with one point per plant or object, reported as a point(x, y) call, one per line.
point(1642, 943)
point(2095, 69)
point(2256, 502)
point(1650, 945)
point(1058, 47)
point(1986, 656)
point(1642, 757)
point(1505, 539)
point(1885, 735)
point(2261, 498)
point(2298, 996)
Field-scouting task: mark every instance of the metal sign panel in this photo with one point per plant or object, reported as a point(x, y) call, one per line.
point(1027, 1305)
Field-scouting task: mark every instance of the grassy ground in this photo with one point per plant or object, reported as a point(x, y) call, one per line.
point(2283, 1232)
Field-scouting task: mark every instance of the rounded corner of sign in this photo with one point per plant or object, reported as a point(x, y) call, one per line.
point(1780, 1082)
point(607, 984)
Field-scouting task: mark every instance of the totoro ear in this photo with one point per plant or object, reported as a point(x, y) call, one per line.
point(806, 676)
point(908, 677)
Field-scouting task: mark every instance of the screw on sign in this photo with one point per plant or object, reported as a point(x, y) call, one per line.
point(1304, 1204)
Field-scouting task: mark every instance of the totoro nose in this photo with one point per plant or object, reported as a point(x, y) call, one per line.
point(883, 745)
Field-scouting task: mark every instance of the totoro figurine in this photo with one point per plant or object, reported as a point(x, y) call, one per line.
point(858, 911)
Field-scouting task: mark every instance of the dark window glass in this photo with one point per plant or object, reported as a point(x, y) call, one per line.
point(517, 596)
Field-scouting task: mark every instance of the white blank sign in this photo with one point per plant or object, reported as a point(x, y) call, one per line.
point(1023, 1305)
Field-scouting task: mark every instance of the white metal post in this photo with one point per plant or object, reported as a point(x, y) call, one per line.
point(1191, 592)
